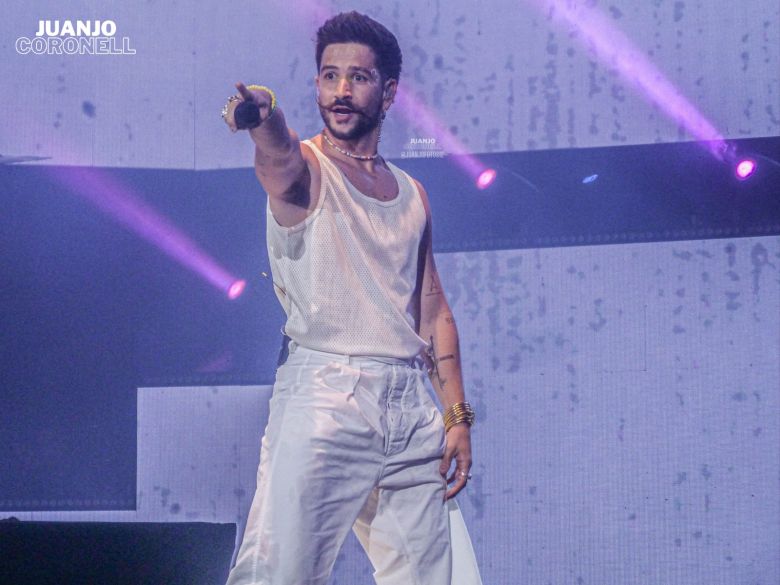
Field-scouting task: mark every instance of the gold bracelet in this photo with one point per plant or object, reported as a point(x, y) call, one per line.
point(270, 91)
point(458, 413)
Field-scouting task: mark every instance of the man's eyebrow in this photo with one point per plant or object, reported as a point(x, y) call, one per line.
point(350, 68)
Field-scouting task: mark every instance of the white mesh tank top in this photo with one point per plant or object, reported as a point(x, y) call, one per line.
point(345, 275)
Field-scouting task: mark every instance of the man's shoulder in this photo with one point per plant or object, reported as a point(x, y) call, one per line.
point(308, 147)
point(423, 195)
point(309, 153)
point(415, 182)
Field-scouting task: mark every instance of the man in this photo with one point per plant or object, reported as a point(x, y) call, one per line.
point(353, 439)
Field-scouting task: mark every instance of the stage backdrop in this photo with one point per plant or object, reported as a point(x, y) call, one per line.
point(627, 394)
point(627, 429)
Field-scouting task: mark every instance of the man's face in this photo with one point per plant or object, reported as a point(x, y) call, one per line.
point(349, 89)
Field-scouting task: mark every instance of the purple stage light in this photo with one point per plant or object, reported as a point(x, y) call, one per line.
point(124, 206)
point(236, 289)
point(418, 115)
point(486, 179)
point(617, 52)
point(745, 168)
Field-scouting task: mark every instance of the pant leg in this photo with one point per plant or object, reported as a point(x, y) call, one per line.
point(404, 526)
point(319, 462)
point(465, 570)
point(384, 546)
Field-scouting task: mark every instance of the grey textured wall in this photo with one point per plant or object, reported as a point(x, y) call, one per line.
point(629, 399)
point(500, 74)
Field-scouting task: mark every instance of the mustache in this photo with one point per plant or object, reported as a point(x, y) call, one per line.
point(342, 104)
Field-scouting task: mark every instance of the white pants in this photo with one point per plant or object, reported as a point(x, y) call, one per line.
point(351, 442)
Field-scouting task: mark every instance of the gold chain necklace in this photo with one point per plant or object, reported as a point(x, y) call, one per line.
point(347, 153)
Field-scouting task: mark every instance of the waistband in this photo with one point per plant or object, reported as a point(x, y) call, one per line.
point(290, 346)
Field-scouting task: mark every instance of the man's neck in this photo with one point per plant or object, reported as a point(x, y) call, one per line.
point(366, 146)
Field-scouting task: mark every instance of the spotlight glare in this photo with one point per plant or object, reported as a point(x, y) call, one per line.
point(590, 179)
point(486, 178)
point(745, 168)
point(236, 289)
point(122, 204)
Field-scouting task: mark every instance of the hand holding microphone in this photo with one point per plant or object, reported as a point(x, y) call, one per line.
point(252, 107)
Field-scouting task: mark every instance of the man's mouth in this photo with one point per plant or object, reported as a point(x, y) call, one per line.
point(342, 114)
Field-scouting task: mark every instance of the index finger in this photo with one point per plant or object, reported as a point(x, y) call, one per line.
point(245, 93)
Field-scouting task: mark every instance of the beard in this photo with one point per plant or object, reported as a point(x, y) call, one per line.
point(366, 121)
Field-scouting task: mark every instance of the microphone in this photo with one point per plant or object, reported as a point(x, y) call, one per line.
point(247, 115)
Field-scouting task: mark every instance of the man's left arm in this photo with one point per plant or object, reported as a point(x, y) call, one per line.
point(438, 329)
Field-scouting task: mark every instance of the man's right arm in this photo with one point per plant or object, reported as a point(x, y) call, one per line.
point(280, 165)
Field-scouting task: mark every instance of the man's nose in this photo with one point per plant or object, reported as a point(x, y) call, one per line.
point(343, 88)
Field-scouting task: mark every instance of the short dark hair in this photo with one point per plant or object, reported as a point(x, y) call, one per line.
point(353, 27)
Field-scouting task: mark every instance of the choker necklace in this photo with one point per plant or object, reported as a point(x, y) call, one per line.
point(349, 154)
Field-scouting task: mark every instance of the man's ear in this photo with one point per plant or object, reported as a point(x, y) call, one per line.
point(390, 88)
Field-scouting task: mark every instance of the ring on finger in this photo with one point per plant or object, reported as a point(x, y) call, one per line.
point(231, 99)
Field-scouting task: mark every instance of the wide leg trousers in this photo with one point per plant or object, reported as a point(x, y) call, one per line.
point(352, 442)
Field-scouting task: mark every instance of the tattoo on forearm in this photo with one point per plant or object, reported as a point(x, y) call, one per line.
point(432, 359)
point(435, 288)
point(433, 370)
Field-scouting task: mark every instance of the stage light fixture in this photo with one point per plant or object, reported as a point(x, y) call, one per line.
point(486, 178)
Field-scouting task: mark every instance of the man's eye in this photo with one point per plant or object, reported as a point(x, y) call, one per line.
point(359, 77)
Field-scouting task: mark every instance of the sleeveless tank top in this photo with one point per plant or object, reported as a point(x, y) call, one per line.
point(346, 274)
